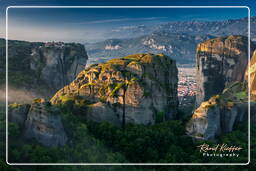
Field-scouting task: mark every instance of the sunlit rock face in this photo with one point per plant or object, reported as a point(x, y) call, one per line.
point(222, 99)
point(58, 63)
point(219, 62)
point(136, 88)
point(221, 113)
point(252, 75)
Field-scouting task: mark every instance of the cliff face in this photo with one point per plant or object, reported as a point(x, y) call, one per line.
point(220, 113)
point(39, 121)
point(41, 68)
point(252, 73)
point(58, 63)
point(220, 61)
point(18, 113)
point(134, 89)
point(222, 68)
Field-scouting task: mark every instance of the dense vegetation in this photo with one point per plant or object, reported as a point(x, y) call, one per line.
point(90, 142)
point(81, 147)
point(163, 143)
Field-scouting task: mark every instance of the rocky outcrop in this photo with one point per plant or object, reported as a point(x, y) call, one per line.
point(220, 113)
point(39, 121)
point(58, 63)
point(252, 73)
point(18, 113)
point(220, 61)
point(44, 124)
point(132, 89)
point(102, 112)
point(40, 69)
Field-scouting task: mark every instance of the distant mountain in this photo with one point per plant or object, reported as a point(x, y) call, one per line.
point(176, 39)
point(131, 31)
point(178, 46)
point(215, 28)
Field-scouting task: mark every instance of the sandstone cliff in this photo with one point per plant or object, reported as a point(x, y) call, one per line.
point(220, 113)
point(134, 89)
point(252, 73)
point(39, 121)
point(40, 69)
point(58, 63)
point(220, 61)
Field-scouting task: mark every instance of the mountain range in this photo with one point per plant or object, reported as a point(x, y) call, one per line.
point(195, 27)
point(183, 36)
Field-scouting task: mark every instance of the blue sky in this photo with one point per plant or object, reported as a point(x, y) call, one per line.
point(88, 24)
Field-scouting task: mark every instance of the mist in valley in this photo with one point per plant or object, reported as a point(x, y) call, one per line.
point(17, 96)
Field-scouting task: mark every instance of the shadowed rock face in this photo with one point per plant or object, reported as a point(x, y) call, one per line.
point(40, 69)
point(18, 113)
point(58, 63)
point(44, 124)
point(220, 61)
point(135, 88)
point(40, 121)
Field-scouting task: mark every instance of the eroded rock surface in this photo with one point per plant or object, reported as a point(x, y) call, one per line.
point(220, 61)
point(44, 124)
point(18, 113)
point(252, 73)
point(220, 113)
point(137, 87)
point(39, 121)
point(58, 63)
